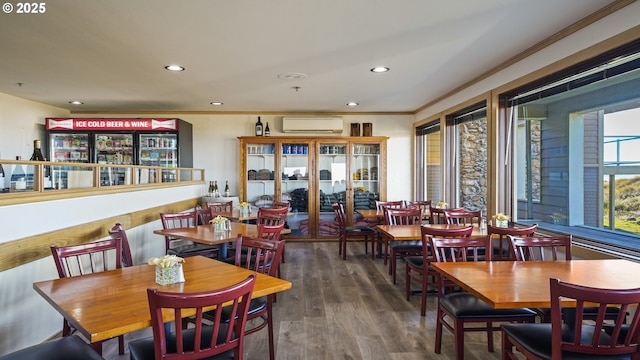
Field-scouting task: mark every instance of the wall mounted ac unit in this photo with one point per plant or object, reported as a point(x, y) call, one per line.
point(331, 124)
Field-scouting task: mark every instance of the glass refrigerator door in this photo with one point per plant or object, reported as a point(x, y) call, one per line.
point(69, 147)
point(114, 149)
point(158, 150)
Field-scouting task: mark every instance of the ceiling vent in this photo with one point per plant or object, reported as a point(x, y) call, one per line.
point(312, 124)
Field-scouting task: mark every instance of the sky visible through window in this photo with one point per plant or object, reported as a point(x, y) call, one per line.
point(623, 123)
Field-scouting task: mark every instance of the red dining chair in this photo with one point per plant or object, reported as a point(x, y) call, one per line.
point(582, 336)
point(117, 231)
point(463, 217)
point(274, 216)
point(401, 248)
point(262, 256)
point(418, 268)
point(501, 242)
point(423, 205)
point(220, 206)
point(185, 248)
point(204, 215)
point(220, 340)
point(77, 260)
point(463, 307)
point(436, 215)
point(351, 233)
point(550, 248)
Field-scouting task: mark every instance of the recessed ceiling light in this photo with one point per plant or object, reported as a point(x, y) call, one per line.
point(217, 103)
point(353, 103)
point(174, 68)
point(76, 102)
point(380, 69)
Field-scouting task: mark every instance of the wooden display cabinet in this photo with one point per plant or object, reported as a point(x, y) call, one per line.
point(313, 173)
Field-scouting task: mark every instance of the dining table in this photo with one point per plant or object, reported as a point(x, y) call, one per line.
point(107, 304)
point(205, 234)
point(516, 284)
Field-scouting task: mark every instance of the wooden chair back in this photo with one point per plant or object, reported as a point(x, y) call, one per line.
point(403, 216)
point(220, 206)
point(203, 341)
point(75, 260)
point(203, 215)
point(594, 337)
point(177, 221)
point(540, 248)
point(280, 204)
point(268, 232)
point(117, 231)
point(502, 249)
point(380, 205)
point(461, 249)
point(272, 217)
point(436, 215)
point(259, 255)
point(463, 217)
point(423, 205)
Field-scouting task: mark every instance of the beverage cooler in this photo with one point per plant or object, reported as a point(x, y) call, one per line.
point(165, 142)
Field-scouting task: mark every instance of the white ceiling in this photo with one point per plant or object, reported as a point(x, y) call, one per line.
point(111, 54)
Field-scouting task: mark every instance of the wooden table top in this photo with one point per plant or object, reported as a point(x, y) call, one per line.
point(514, 284)
point(377, 214)
point(204, 234)
point(236, 215)
point(413, 232)
point(111, 303)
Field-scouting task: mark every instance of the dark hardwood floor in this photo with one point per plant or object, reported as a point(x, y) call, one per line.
point(346, 309)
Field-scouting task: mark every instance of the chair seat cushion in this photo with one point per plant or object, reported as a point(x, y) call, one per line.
point(414, 261)
point(465, 305)
point(192, 249)
point(358, 229)
point(414, 245)
point(143, 349)
point(256, 306)
point(65, 348)
point(536, 338)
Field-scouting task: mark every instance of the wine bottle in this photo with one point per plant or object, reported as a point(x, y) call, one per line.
point(259, 127)
point(37, 153)
point(226, 189)
point(267, 132)
point(210, 191)
point(215, 189)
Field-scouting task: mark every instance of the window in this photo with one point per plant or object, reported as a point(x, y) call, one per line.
point(470, 149)
point(577, 146)
point(428, 166)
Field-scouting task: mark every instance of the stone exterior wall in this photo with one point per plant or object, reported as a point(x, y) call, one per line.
point(472, 161)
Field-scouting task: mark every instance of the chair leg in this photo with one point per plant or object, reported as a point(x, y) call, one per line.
point(121, 344)
point(407, 281)
point(458, 334)
point(272, 353)
point(490, 336)
point(439, 319)
point(344, 248)
point(423, 296)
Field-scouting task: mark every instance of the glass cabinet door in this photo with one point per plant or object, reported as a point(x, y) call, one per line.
point(332, 184)
point(365, 165)
point(295, 185)
point(260, 173)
